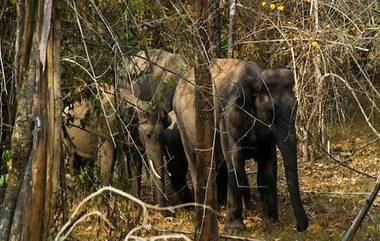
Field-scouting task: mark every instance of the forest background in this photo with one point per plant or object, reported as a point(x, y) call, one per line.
point(333, 47)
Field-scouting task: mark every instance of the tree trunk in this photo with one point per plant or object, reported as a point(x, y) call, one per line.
point(22, 131)
point(21, 142)
point(231, 30)
point(216, 31)
point(45, 163)
point(205, 188)
point(38, 105)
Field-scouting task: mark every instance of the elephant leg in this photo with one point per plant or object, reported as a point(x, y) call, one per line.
point(222, 182)
point(235, 191)
point(105, 156)
point(138, 164)
point(221, 173)
point(128, 171)
point(267, 181)
point(134, 171)
point(180, 187)
point(178, 167)
point(246, 192)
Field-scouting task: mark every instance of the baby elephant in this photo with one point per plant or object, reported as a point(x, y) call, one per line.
point(176, 162)
point(177, 166)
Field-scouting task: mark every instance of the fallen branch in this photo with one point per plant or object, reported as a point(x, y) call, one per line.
point(79, 216)
point(223, 236)
point(162, 237)
point(362, 213)
point(335, 193)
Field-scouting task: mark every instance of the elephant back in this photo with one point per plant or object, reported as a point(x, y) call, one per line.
point(155, 74)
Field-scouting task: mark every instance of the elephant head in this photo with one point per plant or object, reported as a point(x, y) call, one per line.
point(277, 106)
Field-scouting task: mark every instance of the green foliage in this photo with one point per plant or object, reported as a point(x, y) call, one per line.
point(84, 176)
point(13, 2)
point(7, 154)
point(5, 160)
point(4, 180)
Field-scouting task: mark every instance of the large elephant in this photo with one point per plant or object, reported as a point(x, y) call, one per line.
point(153, 76)
point(255, 111)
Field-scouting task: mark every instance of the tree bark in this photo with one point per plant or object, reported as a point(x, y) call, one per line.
point(22, 130)
point(21, 142)
point(231, 30)
point(205, 188)
point(45, 163)
point(38, 105)
point(215, 29)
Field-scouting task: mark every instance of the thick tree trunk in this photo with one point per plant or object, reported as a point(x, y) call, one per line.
point(205, 188)
point(45, 163)
point(21, 142)
point(22, 130)
point(38, 105)
point(19, 220)
point(54, 115)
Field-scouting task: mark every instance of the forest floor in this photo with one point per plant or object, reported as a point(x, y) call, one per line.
point(332, 196)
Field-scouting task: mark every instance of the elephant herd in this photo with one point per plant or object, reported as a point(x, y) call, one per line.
point(255, 112)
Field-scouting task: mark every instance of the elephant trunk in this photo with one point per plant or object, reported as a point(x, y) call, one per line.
point(156, 165)
point(287, 143)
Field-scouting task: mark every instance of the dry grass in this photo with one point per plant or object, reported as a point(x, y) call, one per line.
point(330, 213)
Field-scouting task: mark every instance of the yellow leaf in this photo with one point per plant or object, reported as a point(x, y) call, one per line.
point(9, 164)
point(314, 44)
point(263, 3)
point(281, 8)
point(272, 6)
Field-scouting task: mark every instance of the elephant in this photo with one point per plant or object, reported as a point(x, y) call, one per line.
point(88, 136)
point(176, 161)
point(153, 76)
point(255, 112)
point(177, 165)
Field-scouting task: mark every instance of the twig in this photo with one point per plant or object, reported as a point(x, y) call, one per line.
point(4, 85)
point(224, 236)
point(73, 220)
point(338, 161)
point(335, 193)
point(83, 217)
point(362, 213)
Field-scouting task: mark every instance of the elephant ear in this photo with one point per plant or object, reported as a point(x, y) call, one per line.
point(278, 80)
point(249, 86)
